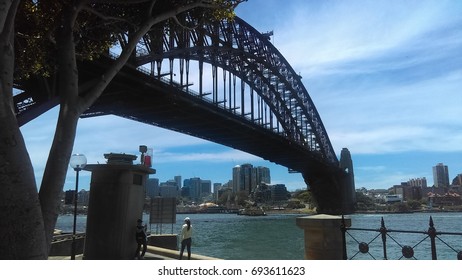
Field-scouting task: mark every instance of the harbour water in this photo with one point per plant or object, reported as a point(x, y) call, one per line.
point(276, 236)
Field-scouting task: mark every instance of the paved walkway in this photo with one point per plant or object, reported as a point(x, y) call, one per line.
point(152, 253)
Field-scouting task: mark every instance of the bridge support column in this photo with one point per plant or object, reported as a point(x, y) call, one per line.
point(323, 236)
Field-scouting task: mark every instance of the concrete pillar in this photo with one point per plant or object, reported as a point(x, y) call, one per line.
point(117, 193)
point(323, 236)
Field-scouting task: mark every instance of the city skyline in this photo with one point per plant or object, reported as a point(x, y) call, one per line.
point(385, 77)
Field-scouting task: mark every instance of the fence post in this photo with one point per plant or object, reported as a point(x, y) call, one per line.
point(432, 234)
point(383, 231)
point(343, 229)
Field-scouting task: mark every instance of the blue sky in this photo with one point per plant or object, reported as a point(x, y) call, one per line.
point(385, 76)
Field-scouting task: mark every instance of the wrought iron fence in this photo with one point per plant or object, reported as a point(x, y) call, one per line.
point(431, 238)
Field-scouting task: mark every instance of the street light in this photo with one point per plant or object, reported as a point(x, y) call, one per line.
point(77, 162)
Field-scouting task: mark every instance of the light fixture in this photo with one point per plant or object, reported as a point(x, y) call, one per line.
point(78, 162)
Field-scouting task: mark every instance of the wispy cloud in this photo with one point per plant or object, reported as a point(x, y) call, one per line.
point(213, 156)
point(384, 75)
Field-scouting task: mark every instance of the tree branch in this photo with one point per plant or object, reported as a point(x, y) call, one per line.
point(175, 18)
point(90, 97)
point(103, 16)
point(151, 7)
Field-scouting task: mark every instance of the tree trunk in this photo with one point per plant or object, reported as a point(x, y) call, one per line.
point(22, 234)
point(63, 142)
point(56, 169)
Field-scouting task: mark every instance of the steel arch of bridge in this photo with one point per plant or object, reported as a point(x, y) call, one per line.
point(295, 135)
point(239, 49)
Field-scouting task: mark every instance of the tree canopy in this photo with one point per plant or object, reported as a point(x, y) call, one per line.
point(97, 26)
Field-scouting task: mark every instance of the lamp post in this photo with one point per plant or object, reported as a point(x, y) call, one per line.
point(77, 162)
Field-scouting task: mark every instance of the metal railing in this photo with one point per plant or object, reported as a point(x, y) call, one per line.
point(431, 236)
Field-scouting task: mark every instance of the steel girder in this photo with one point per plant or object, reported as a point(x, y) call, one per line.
point(238, 48)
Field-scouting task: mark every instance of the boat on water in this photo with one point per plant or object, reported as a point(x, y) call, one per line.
point(252, 212)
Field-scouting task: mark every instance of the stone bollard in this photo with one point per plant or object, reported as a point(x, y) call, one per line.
point(323, 236)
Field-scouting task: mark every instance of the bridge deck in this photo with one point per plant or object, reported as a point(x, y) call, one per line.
point(136, 96)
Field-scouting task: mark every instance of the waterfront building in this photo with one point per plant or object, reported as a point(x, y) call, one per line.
point(196, 188)
point(236, 178)
point(279, 192)
point(69, 197)
point(206, 188)
point(193, 186)
point(169, 189)
point(393, 198)
point(446, 199)
point(264, 193)
point(407, 192)
point(82, 197)
point(152, 187)
point(178, 181)
point(263, 175)
point(246, 177)
point(440, 176)
point(457, 180)
point(418, 182)
point(216, 187)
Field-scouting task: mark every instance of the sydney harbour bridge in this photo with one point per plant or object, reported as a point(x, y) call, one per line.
point(224, 82)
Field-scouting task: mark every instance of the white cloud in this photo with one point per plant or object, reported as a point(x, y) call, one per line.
point(224, 156)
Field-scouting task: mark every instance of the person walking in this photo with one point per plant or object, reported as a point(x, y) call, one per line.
point(141, 239)
point(185, 237)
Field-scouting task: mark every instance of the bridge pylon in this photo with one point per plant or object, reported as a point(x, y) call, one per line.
point(334, 189)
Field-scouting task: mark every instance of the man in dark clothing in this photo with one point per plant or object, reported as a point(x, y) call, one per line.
point(140, 239)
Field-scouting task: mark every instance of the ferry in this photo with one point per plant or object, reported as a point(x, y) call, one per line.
point(252, 212)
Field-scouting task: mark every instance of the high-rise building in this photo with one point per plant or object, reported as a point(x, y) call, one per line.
point(216, 187)
point(440, 176)
point(263, 175)
point(457, 180)
point(418, 182)
point(206, 188)
point(246, 177)
point(236, 181)
point(178, 181)
point(152, 187)
point(169, 189)
point(196, 188)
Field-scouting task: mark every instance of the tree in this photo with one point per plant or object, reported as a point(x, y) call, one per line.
point(28, 217)
point(306, 196)
point(22, 232)
point(364, 202)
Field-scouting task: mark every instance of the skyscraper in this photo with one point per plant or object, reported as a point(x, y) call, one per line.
point(152, 187)
point(263, 175)
point(178, 181)
point(246, 177)
point(194, 187)
point(440, 176)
